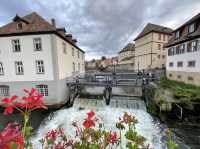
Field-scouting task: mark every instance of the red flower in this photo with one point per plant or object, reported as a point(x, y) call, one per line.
point(52, 134)
point(89, 123)
point(113, 138)
point(9, 100)
point(8, 110)
point(11, 134)
point(32, 101)
point(91, 114)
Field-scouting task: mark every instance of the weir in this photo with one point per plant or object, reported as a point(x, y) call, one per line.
point(108, 81)
point(89, 97)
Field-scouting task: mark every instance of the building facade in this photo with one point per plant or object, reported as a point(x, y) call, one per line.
point(126, 55)
point(183, 60)
point(149, 50)
point(36, 54)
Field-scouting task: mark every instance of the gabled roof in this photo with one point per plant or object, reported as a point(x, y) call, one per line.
point(154, 28)
point(128, 47)
point(184, 35)
point(34, 24)
point(196, 17)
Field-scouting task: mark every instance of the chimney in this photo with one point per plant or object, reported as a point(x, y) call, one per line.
point(74, 41)
point(53, 22)
point(69, 37)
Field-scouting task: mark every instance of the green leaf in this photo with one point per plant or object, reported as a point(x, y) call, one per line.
point(14, 145)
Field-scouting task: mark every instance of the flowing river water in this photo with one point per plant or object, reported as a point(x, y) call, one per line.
point(147, 126)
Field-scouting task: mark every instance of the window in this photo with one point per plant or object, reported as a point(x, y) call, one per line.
point(79, 67)
point(168, 38)
point(159, 36)
point(164, 37)
point(177, 34)
point(171, 64)
point(64, 48)
point(37, 44)
point(159, 46)
point(192, 46)
point(177, 49)
point(191, 63)
point(39, 67)
point(182, 48)
point(43, 89)
point(179, 64)
point(163, 56)
point(190, 78)
point(191, 28)
point(72, 51)
point(4, 90)
point(179, 76)
point(19, 68)
point(73, 67)
point(78, 54)
point(171, 51)
point(1, 69)
point(16, 45)
point(82, 56)
point(19, 26)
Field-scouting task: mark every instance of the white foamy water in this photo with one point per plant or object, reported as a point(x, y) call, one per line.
point(109, 114)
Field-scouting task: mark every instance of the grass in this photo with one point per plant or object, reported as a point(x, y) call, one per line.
point(182, 91)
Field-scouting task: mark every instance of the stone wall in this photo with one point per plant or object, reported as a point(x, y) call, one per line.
point(187, 77)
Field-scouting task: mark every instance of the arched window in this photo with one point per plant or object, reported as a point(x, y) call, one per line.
point(4, 90)
point(43, 89)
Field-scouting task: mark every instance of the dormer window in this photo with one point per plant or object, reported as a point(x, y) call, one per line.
point(177, 34)
point(191, 28)
point(19, 26)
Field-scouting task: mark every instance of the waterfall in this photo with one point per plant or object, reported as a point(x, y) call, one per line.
point(146, 126)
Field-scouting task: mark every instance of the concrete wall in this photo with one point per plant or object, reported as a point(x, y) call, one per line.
point(186, 77)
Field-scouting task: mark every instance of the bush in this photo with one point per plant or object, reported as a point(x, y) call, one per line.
point(182, 91)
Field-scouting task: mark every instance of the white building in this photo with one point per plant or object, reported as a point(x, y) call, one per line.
point(183, 60)
point(34, 53)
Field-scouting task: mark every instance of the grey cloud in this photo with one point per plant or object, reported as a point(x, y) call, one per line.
point(101, 26)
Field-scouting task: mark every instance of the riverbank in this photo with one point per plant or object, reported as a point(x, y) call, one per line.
point(177, 106)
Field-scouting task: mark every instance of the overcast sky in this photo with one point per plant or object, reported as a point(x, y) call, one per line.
point(103, 27)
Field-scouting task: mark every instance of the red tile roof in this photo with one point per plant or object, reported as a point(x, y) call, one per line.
point(32, 24)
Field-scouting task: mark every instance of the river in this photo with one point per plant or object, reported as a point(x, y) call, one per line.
point(149, 127)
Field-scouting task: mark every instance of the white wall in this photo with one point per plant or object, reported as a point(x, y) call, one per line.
point(185, 57)
point(65, 61)
point(28, 56)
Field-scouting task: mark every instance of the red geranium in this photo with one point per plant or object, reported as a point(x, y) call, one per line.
point(11, 134)
point(89, 122)
point(113, 139)
point(32, 101)
point(91, 114)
